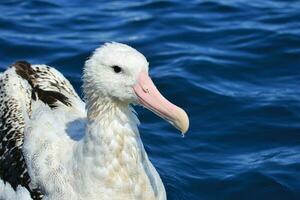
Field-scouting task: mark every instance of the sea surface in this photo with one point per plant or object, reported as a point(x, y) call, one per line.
point(233, 65)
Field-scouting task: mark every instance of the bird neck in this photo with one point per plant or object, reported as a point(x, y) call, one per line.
point(112, 133)
point(112, 154)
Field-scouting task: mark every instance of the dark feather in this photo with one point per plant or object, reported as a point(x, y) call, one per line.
point(12, 163)
point(25, 70)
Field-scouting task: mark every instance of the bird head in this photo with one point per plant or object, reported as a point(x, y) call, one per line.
point(119, 73)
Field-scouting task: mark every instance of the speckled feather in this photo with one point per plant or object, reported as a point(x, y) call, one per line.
point(19, 86)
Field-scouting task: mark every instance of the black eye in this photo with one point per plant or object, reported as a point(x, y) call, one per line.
point(117, 69)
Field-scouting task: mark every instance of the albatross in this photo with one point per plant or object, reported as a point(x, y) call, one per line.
point(60, 147)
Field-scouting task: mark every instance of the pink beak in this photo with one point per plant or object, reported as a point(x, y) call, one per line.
point(150, 97)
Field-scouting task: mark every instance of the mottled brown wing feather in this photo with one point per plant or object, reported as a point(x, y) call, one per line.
point(12, 163)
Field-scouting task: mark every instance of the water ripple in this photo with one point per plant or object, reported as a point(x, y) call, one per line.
point(233, 65)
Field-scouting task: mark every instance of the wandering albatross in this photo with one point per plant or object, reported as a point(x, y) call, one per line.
point(59, 147)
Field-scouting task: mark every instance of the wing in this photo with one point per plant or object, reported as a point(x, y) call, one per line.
point(20, 86)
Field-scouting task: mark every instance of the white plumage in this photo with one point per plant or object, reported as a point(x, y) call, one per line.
point(92, 151)
point(8, 193)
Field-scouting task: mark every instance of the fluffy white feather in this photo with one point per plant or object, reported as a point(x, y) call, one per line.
point(8, 193)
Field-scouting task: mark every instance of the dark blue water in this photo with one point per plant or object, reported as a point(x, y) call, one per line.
point(233, 65)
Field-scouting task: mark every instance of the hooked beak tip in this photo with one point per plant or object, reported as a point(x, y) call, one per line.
point(182, 121)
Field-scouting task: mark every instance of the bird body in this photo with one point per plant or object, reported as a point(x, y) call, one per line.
point(70, 149)
point(108, 162)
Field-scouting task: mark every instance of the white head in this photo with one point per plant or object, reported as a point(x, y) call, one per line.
point(113, 69)
point(119, 73)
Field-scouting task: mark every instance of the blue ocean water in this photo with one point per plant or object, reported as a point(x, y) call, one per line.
point(233, 65)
